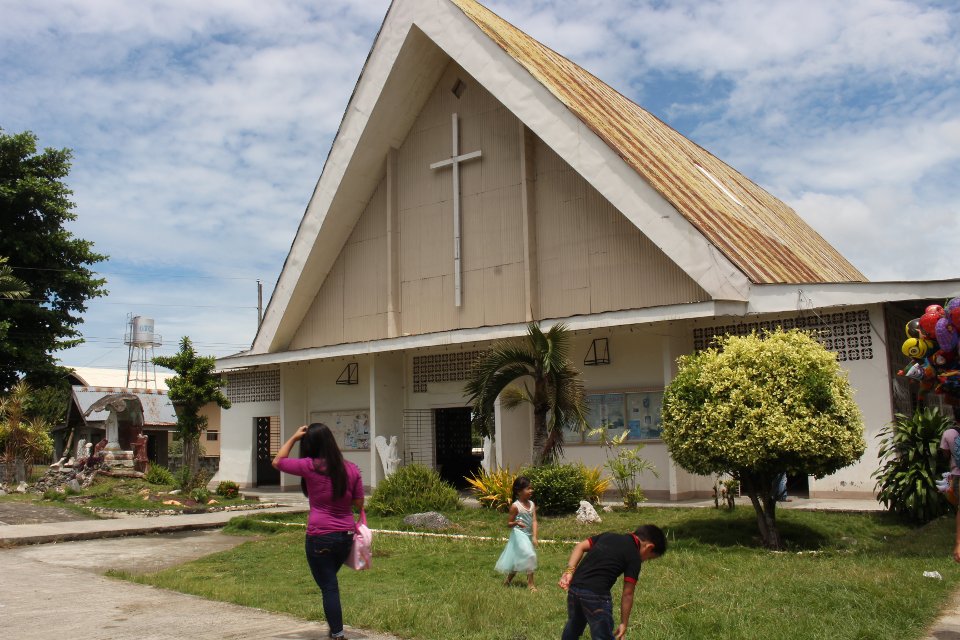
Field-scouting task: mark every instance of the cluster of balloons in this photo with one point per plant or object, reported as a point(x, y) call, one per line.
point(933, 342)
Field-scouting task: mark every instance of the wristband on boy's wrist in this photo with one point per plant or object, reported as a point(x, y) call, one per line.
point(568, 571)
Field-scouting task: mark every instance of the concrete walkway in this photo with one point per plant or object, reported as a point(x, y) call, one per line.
point(54, 591)
point(36, 581)
point(73, 530)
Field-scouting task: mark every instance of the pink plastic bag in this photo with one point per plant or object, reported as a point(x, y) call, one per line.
point(362, 550)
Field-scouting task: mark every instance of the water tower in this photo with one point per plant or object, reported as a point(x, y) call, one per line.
point(141, 374)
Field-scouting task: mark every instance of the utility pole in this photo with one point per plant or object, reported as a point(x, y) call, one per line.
point(259, 303)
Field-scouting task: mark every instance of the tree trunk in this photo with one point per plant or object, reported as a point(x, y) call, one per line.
point(191, 455)
point(760, 490)
point(540, 453)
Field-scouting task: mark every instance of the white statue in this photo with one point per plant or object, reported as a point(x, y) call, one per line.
point(115, 404)
point(388, 454)
point(586, 514)
point(82, 450)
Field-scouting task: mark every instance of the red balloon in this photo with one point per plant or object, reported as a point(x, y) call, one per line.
point(935, 309)
point(928, 324)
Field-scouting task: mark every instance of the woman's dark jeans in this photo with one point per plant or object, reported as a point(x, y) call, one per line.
point(325, 555)
point(586, 607)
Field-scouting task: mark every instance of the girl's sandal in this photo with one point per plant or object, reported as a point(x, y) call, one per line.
point(534, 589)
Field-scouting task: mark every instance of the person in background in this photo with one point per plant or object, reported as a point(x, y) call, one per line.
point(520, 556)
point(947, 441)
point(605, 557)
point(334, 488)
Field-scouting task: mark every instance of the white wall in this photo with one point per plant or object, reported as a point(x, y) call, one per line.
point(641, 359)
point(386, 407)
point(311, 387)
point(514, 436)
point(870, 380)
point(238, 432)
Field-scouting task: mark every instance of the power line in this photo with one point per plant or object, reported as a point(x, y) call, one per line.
point(135, 273)
point(128, 304)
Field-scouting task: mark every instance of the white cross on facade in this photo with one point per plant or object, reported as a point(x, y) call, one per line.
point(454, 162)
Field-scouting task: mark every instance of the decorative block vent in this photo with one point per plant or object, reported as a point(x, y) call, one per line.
point(846, 333)
point(253, 386)
point(441, 367)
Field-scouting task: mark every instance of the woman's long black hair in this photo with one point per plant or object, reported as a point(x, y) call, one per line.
point(318, 443)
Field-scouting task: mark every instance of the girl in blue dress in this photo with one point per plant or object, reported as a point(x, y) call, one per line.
point(519, 556)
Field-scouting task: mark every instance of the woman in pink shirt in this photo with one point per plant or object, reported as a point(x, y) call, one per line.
point(334, 488)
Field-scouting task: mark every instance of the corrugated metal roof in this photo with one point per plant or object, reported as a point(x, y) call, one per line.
point(157, 408)
point(103, 377)
point(758, 233)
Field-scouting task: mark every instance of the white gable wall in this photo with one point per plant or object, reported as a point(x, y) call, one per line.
point(588, 257)
point(591, 258)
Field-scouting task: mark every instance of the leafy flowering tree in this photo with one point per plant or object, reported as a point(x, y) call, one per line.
point(195, 385)
point(757, 406)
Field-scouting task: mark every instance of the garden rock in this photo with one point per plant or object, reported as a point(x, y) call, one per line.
point(429, 520)
point(22, 487)
point(586, 514)
point(74, 486)
point(607, 509)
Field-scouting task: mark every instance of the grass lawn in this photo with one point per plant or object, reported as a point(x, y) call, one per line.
point(844, 576)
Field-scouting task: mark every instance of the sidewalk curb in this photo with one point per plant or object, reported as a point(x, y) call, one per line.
point(76, 530)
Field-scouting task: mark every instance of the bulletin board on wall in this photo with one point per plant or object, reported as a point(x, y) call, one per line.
point(350, 427)
point(637, 411)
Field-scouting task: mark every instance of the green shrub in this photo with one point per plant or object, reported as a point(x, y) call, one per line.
point(595, 485)
point(201, 495)
point(493, 489)
point(413, 489)
point(557, 488)
point(909, 453)
point(228, 489)
point(54, 495)
point(182, 478)
point(201, 480)
point(186, 482)
point(157, 474)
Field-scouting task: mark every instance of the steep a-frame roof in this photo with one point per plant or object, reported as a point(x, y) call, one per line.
point(724, 231)
point(761, 235)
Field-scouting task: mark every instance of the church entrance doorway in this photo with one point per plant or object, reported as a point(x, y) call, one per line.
point(454, 448)
point(267, 445)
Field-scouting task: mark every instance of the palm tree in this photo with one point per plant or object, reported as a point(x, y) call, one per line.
point(507, 370)
point(10, 286)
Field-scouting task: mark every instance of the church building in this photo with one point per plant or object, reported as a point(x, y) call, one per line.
point(480, 181)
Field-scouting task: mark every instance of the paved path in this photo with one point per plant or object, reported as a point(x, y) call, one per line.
point(54, 591)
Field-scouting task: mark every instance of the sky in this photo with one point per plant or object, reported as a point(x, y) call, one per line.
point(199, 129)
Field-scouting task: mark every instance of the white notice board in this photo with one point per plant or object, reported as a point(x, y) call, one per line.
point(350, 427)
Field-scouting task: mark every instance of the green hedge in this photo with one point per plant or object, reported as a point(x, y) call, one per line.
point(557, 488)
point(413, 489)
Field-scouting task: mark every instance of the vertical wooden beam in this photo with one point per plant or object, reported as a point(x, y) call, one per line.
point(531, 280)
point(393, 247)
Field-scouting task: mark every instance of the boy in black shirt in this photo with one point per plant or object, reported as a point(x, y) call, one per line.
point(588, 583)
